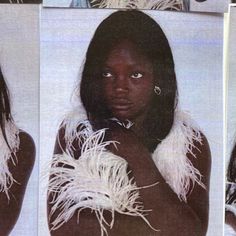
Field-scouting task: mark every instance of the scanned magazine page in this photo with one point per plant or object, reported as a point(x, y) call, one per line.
point(196, 41)
point(19, 64)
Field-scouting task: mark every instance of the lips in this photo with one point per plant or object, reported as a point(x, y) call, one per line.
point(120, 104)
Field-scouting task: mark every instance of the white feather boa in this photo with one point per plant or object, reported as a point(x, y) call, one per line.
point(7, 154)
point(99, 180)
point(171, 158)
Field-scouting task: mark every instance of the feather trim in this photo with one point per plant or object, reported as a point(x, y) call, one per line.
point(171, 158)
point(177, 5)
point(97, 180)
point(71, 124)
point(8, 154)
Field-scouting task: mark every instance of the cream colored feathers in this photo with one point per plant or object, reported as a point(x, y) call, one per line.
point(7, 155)
point(171, 158)
point(98, 179)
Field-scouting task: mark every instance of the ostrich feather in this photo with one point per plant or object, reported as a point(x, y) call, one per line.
point(71, 124)
point(97, 180)
point(171, 158)
point(7, 154)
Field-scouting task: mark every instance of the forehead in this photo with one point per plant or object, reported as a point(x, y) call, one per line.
point(126, 51)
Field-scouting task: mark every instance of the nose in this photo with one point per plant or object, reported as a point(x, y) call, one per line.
point(121, 84)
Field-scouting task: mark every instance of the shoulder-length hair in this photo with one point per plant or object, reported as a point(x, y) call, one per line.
point(5, 108)
point(231, 179)
point(231, 173)
point(144, 32)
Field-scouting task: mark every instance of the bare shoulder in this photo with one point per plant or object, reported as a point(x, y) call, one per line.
point(26, 141)
point(203, 146)
point(61, 142)
point(25, 157)
point(201, 160)
point(201, 156)
point(27, 146)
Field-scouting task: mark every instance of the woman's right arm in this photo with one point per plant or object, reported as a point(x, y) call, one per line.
point(168, 213)
point(88, 223)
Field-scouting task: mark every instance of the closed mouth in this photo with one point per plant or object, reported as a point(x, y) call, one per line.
point(120, 107)
point(120, 104)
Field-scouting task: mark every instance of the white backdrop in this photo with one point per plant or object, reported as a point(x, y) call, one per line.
point(19, 60)
point(197, 43)
point(231, 106)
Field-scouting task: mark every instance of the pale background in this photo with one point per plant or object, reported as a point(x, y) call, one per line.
point(231, 104)
point(197, 43)
point(231, 94)
point(207, 6)
point(19, 59)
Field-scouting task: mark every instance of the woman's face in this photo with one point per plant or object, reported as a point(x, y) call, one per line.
point(128, 82)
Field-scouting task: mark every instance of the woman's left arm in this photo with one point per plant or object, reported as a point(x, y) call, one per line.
point(10, 208)
point(198, 199)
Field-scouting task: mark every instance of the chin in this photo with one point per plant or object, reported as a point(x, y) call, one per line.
point(122, 116)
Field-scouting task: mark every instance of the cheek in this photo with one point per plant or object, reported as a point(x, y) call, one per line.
point(107, 90)
point(145, 101)
point(144, 95)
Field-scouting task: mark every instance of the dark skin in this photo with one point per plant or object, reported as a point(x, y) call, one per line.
point(128, 87)
point(10, 209)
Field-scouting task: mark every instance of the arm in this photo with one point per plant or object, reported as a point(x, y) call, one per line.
point(10, 209)
point(88, 223)
point(71, 227)
point(161, 199)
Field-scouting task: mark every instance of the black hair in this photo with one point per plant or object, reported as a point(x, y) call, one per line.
point(231, 173)
point(5, 108)
point(231, 178)
point(148, 37)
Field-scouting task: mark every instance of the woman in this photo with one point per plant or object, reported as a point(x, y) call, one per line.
point(17, 154)
point(137, 165)
point(230, 210)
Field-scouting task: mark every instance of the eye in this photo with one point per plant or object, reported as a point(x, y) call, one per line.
point(107, 74)
point(136, 75)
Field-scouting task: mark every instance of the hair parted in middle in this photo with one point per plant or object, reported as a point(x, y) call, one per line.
point(149, 39)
